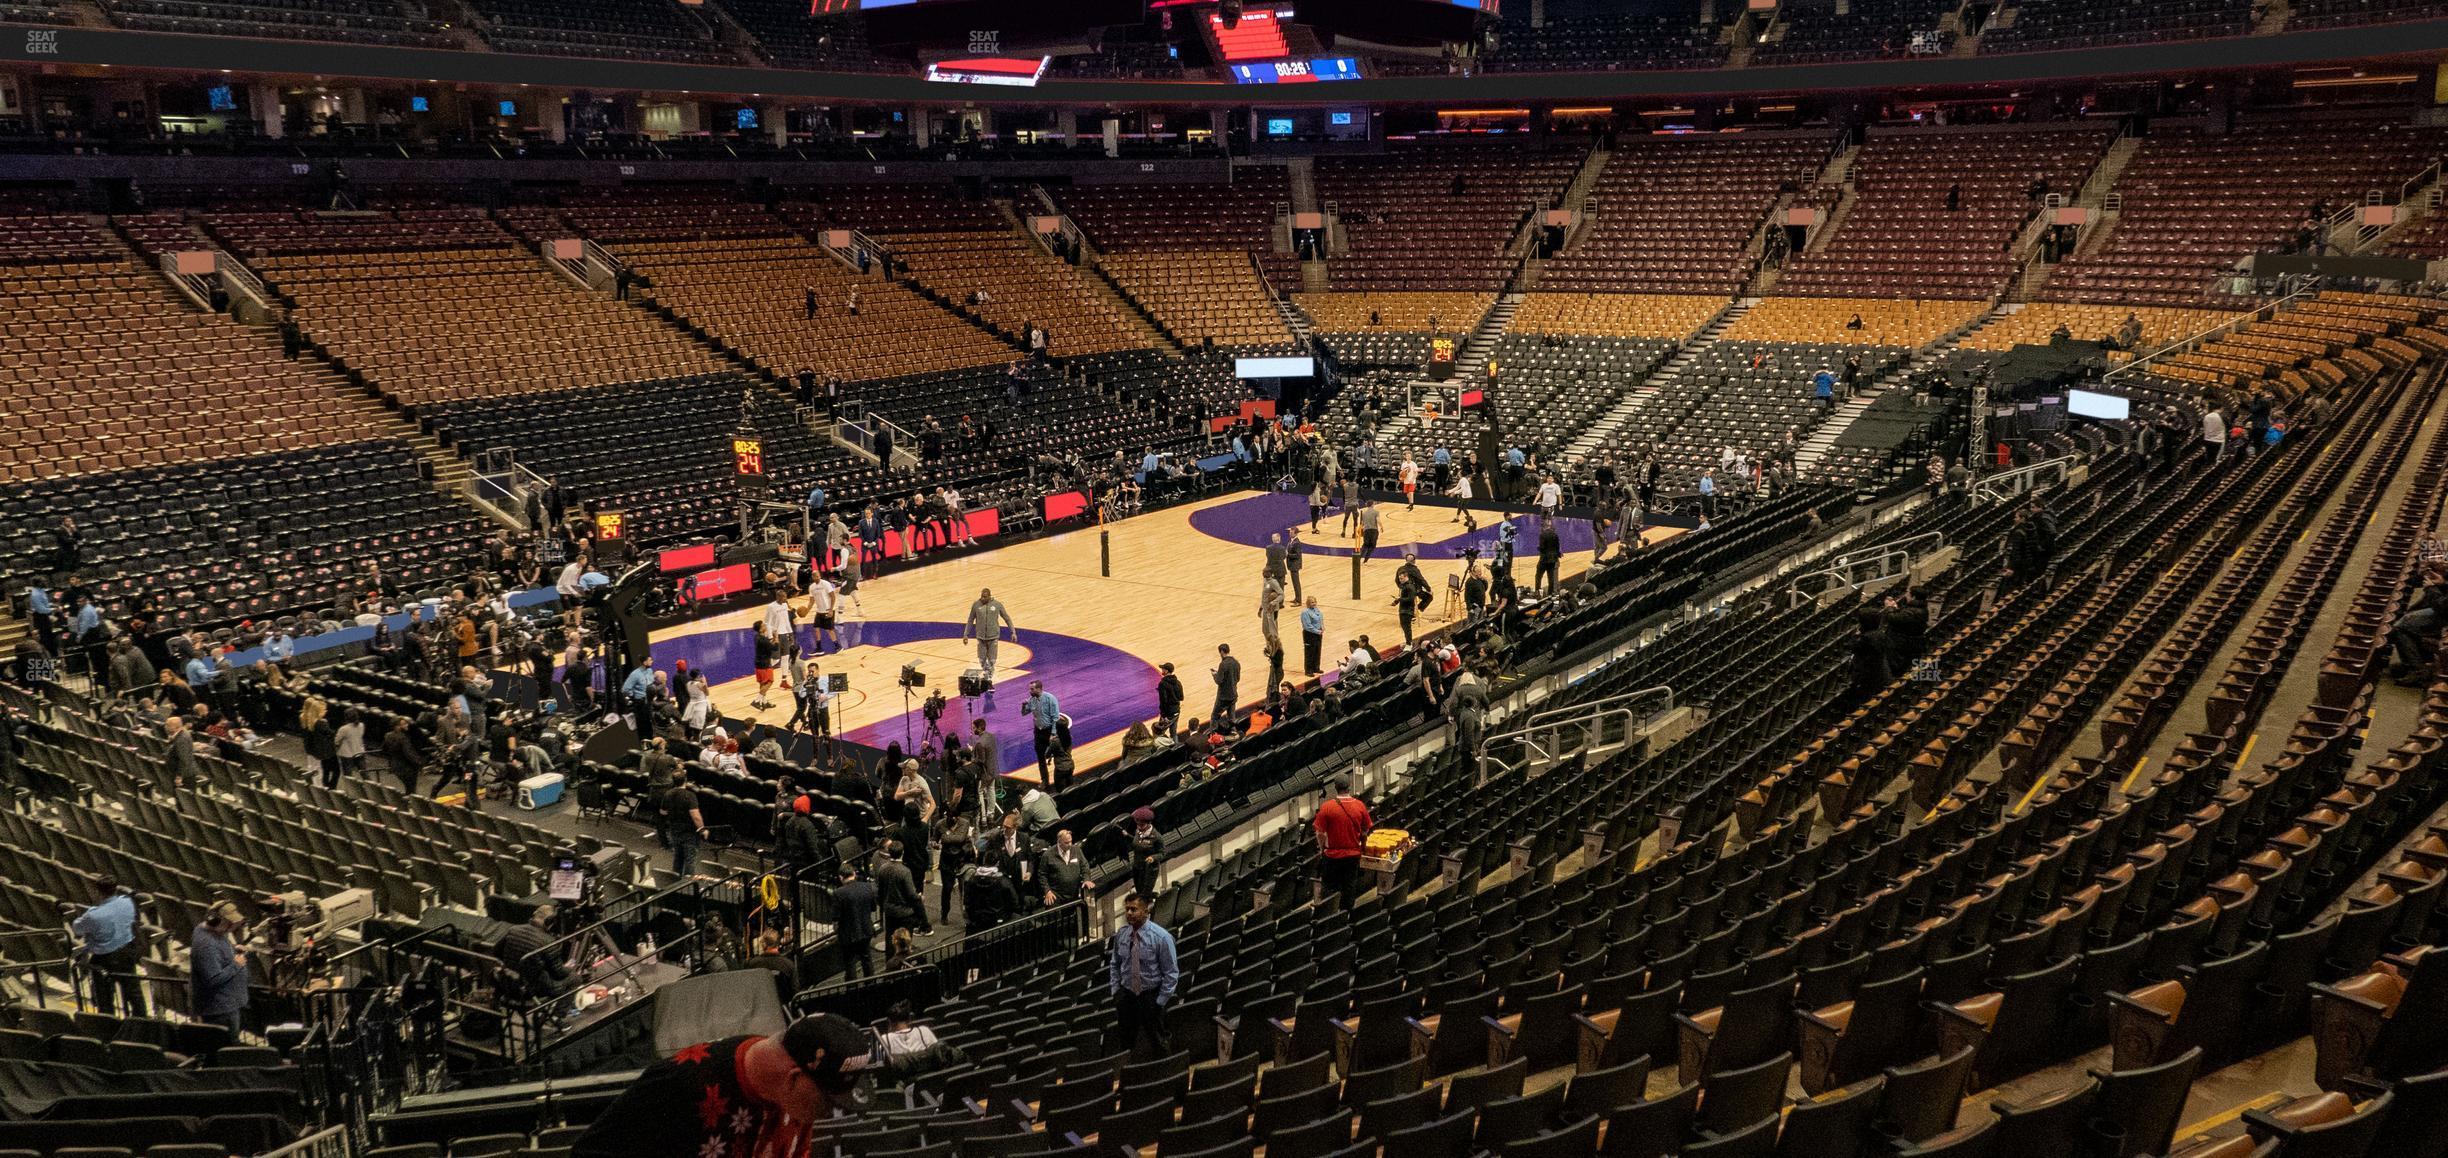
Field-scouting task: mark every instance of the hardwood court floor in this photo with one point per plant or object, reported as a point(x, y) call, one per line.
point(1176, 591)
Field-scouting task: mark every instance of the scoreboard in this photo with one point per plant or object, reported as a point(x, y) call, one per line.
point(1298, 71)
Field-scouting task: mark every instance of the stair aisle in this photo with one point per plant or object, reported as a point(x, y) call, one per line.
point(1814, 450)
point(1612, 423)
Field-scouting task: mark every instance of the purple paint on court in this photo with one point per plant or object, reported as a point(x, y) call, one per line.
point(1249, 521)
point(1104, 689)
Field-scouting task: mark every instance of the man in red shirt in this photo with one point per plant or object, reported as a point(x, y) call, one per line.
point(740, 1097)
point(1342, 825)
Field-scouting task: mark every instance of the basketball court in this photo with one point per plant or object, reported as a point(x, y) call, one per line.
point(1183, 580)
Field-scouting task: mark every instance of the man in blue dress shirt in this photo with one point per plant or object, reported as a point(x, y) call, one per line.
point(1142, 972)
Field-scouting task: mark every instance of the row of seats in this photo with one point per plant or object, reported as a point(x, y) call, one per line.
point(254, 828)
point(1026, 287)
point(652, 30)
point(345, 21)
point(158, 381)
point(751, 295)
point(2188, 211)
point(2035, 322)
point(433, 326)
point(1677, 214)
point(1201, 295)
point(250, 536)
point(1900, 236)
point(2094, 23)
point(1649, 35)
point(1818, 31)
point(1437, 217)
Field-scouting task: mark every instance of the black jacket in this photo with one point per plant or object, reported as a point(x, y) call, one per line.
point(854, 909)
point(897, 890)
point(801, 842)
point(1168, 695)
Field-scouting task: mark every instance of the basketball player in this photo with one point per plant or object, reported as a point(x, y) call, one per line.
point(986, 623)
point(824, 602)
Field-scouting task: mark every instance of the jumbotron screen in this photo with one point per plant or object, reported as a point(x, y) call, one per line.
point(1297, 71)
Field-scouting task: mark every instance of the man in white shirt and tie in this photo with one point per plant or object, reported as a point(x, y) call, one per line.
point(1143, 973)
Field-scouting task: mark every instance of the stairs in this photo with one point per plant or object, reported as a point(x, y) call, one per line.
point(1839, 173)
point(2273, 18)
point(1313, 276)
point(1140, 320)
point(1577, 194)
point(2111, 166)
point(1610, 424)
point(189, 290)
point(2027, 286)
point(466, 26)
point(2422, 205)
point(1472, 358)
point(1136, 318)
point(1743, 40)
point(1814, 449)
point(1301, 174)
point(729, 33)
point(1294, 320)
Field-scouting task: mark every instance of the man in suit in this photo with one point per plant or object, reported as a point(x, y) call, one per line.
point(897, 893)
point(1015, 852)
point(854, 909)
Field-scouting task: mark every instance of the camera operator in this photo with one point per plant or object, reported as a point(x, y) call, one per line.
point(933, 708)
point(538, 974)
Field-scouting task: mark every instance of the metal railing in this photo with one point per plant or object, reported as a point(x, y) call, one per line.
point(242, 282)
point(1851, 574)
point(502, 484)
point(860, 243)
point(331, 1143)
point(2006, 486)
point(2345, 230)
point(2264, 312)
point(1558, 733)
point(859, 434)
point(947, 969)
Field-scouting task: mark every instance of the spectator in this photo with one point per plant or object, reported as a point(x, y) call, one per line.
point(854, 906)
point(1342, 824)
point(1168, 699)
point(217, 969)
point(106, 939)
point(1062, 871)
point(897, 893)
point(1227, 676)
point(1146, 852)
point(684, 827)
